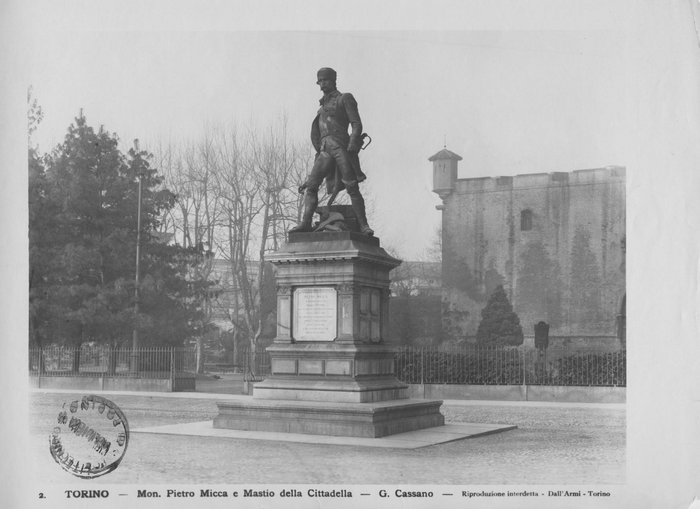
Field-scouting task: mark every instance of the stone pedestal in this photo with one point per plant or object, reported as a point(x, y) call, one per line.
point(332, 372)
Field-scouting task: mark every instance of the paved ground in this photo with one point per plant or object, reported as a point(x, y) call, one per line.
point(220, 383)
point(554, 444)
point(450, 432)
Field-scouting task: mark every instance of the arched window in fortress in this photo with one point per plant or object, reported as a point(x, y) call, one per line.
point(526, 220)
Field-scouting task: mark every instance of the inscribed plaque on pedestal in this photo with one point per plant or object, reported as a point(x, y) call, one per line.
point(315, 314)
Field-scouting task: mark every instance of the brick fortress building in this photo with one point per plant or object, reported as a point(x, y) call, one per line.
point(555, 241)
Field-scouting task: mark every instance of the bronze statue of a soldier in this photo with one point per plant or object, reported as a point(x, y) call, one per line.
point(337, 158)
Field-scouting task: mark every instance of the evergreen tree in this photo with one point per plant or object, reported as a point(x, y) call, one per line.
point(586, 282)
point(499, 324)
point(42, 247)
point(83, 222)
point(42, 229)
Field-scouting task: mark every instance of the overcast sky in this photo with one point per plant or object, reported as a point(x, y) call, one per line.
point(508, 102)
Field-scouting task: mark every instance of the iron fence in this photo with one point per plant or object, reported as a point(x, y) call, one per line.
point(461, 366)
point(480, 365)
point(104, 361)
point(221, 360)
point(256, 365)
point(561, 367)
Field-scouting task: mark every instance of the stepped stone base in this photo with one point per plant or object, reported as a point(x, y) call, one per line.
point(331, 369)
point(333, 391)
point(367, 420)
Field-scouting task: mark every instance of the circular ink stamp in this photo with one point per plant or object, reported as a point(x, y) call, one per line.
point(90, 437)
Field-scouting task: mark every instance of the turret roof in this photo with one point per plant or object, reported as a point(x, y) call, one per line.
point(445, 154)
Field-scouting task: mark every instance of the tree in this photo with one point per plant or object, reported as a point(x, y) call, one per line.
point(189, 172)
point(257, 186)
point(538, 289)
point(34, 115)
point(83, 222)
point(433, 250)
point(499, 324)
point(42, 227)
point(586, 282)
point(236, 194)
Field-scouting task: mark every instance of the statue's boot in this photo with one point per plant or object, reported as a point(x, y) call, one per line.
point(310, 204)
point(358, 206)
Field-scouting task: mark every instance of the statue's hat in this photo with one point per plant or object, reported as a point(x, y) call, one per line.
point(326, 72)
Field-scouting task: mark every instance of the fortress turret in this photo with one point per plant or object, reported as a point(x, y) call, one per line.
point(444, 173)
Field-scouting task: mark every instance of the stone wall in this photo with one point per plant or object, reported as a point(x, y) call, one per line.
point(96, 383)
point(541, 393)
point(555, 241)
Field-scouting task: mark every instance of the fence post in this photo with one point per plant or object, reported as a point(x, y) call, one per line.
point(422, 368)
point(41, 364)
point(172, 369)
point(525, 370)
point(103, 374)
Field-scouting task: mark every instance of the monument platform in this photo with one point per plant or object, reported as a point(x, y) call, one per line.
point(368, 420)
point(450, 432)
point(332, 370)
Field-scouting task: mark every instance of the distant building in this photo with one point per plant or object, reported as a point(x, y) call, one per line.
point(163, 237)
point(556, 242)
point(416, 278)
point(414, 306)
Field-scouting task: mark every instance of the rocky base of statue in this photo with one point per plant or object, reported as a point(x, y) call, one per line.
point(332, 371)
point(336, 218)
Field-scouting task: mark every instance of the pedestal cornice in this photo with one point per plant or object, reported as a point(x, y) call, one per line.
point(332, 246)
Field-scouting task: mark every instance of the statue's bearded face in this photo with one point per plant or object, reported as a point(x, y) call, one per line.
point(326, 83)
